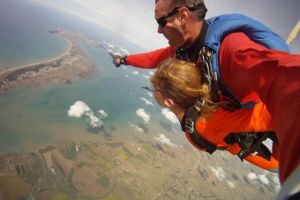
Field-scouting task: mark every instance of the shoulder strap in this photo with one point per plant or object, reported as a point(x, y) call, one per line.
point(218, 90)
point(188, 125)
point(218, 28)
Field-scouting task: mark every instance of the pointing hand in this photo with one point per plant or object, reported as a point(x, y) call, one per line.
point(118, 60)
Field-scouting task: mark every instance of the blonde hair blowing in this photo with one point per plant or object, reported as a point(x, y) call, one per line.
point(181, 81)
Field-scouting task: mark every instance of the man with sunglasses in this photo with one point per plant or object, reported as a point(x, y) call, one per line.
point(230, 44)
point(183, 41)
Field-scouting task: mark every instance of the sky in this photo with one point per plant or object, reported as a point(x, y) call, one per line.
point(135, 18)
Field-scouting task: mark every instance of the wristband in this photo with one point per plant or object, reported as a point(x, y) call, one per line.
point(123, 60)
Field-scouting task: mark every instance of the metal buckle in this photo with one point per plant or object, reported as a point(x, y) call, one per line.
point(242, 154)
point(189, 125)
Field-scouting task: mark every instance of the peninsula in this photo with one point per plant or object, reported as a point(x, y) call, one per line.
point(71, 65)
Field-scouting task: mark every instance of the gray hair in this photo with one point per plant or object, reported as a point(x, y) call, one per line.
point(198, 5)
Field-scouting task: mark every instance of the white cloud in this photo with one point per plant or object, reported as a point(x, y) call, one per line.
point(142, 114)
point(146, 76)
point(252, 176)
point(175, 130)
point(151, 73)
point(135, 127)
point(114, 48)
point(135, 73)
point(150, 94)
point(276, 182)
point(169, 115)
point(221, 175)
point(102, 113)
point(110, 46)
point(147, 102)
point(263, 178)
point(218, 172)
point(123, 51)
point(275, 179)
point(80, 109)
point(110, 51)
point(230, 184)
point(164, 140)
point(93, 120)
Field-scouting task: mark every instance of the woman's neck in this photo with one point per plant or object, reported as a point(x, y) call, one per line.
point(178, 111)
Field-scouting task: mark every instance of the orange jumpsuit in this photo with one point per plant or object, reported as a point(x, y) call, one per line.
point(221, 123)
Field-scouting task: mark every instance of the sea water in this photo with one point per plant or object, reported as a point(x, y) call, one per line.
point(24, 36)
point(38, 116)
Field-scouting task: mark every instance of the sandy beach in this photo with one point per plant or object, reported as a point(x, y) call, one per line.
point(12, 69)
point(70, 65)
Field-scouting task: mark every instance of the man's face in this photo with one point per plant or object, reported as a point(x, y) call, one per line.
point(169, 26)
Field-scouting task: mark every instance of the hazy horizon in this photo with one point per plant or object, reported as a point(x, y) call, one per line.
point(135, 18)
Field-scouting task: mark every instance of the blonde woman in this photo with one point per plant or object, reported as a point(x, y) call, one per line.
point(177, 85)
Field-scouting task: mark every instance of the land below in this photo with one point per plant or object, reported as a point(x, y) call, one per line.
point(71, 65)
point(127, 169)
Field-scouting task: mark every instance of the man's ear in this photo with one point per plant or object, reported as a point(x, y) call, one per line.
point(169, 102)
point(184, 14)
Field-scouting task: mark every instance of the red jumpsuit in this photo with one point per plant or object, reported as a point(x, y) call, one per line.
point(255, 73)
point(251, 71)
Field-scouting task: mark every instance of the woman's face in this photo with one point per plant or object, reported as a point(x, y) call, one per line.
point(159, 97)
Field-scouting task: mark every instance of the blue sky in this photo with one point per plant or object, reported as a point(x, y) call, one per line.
point(135, 18)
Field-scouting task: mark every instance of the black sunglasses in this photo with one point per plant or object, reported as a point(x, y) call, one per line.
point(162, 21)
point(150, 89)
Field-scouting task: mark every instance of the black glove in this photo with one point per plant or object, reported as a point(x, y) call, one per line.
point(118, 60)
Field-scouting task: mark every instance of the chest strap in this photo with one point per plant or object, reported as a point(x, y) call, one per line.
point(188, 126)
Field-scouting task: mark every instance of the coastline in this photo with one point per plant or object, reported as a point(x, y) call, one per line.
point(13, 68)
point(70, 65)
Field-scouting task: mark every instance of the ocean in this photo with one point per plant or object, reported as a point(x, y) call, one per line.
point(34, 117)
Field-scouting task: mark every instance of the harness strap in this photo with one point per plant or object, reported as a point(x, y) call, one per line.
point(188, 126)
point(218, 90)
point(204, 63)
point(249, 142)
point(252, 142)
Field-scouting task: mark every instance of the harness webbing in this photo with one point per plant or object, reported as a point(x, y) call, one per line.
point(249, 142)
point(188, 125)
point(218, 90)
point(252, 142)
